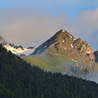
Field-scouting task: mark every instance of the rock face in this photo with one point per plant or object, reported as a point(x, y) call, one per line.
point(54, 41)
point(66, 41)
point(96, 56)
point(82, 46)
point(63, 43)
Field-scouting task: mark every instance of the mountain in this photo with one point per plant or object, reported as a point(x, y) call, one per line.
point(19, 79)
point(18, 50)
point(64, 40)
point(64, 53)
point(63, 43)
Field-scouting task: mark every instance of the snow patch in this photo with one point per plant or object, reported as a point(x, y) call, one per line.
point(28, 52)
point(19, 51)
point(71, 45)
point(63, 30)
point(89, 52)
point(74, 39)
point(70, 36)
point(63, 41)
point(74, 60)
point(45, 46)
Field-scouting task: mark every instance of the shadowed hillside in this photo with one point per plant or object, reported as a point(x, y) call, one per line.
point(19, 80)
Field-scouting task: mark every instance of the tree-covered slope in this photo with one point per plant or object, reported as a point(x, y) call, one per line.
point(19, 80)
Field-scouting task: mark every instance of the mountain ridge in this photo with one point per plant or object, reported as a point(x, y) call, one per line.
point(64, 41)
point(64, 53)
point(50, 41)
point(18, 50)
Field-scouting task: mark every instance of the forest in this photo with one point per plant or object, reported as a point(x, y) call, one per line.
point(19, 79)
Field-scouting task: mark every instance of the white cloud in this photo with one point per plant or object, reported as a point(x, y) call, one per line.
point(86, 27)
point(87, 23)
point(31, 27)
point(24, 27)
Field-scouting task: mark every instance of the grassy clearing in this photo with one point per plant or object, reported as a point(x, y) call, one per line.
point(49, 63)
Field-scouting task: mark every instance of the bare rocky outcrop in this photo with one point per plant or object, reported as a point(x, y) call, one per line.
point(96, 56)
point(63, 43)
point(83, 47)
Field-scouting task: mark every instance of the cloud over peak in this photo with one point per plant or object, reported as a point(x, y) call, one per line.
point(33, 22)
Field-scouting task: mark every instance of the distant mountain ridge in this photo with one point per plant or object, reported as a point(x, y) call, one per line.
point(18, 50)
point(66, 44)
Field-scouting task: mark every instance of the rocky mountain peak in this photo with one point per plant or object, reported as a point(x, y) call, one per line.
point(59, 38)
point(65, 44)
point(63, 41)
point(63, 34)
point(82, 46)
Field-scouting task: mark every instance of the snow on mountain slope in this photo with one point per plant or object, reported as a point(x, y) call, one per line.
point(19, 51)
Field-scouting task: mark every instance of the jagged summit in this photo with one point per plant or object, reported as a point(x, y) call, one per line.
point(64, 41)
point(64, 34)
point(62, 52)
point(65, 44)
point(60, 36)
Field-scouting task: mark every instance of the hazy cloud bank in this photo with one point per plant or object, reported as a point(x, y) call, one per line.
point(32, 27)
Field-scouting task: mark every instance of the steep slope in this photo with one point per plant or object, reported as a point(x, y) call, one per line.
point(19, 80)
point(55, 40)
point(64, 40)
point(63, 43)
point(66, 54)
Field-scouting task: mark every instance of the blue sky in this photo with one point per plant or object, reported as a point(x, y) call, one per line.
point(34, 21)
point(53, 7)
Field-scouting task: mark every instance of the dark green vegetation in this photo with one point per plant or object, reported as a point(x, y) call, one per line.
point(19, 80)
